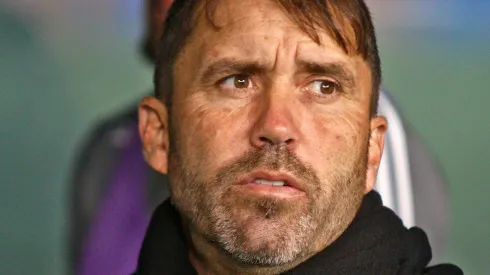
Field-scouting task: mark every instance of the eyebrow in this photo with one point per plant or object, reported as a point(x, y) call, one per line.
point(228, 66)
point(336, 69)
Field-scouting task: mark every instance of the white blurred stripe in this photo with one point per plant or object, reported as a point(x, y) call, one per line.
point(401, 170)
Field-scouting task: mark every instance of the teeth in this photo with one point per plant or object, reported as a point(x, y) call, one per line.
point(269, 182)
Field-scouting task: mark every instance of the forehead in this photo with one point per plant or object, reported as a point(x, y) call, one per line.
point(255, 29)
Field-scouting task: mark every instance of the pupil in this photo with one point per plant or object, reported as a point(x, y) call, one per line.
point(327, 88)
point(241, 82)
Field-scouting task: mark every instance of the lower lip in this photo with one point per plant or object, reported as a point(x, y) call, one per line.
point(271, 190)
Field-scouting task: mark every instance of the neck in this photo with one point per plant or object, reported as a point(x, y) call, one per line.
point(208, 258)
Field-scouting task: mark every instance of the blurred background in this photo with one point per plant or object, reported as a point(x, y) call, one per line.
point(66, 64)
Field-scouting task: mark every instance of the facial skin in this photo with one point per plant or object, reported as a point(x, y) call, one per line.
point(259, 99)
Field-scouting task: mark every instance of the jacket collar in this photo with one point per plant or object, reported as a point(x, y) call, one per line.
point(376, 242)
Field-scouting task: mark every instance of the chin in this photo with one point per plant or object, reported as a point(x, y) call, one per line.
point(272, 245)
point(264, 231)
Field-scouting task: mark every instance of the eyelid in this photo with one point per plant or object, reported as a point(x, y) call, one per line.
point(314, 78)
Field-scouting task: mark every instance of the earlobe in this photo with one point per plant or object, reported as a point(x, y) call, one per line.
point(379, 126)
point(153, 130)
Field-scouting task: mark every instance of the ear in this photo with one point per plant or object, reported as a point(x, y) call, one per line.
point(378, 129)
point(153, 129)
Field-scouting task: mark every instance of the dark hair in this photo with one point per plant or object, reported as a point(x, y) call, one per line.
point(348, 22)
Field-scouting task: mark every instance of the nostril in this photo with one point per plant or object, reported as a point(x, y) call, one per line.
point(264, 140)
point(267, 141)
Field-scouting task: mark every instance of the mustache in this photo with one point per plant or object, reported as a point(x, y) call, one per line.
point(273, 158)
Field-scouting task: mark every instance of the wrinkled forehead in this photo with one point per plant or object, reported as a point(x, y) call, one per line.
point(333, 19)
point(254, 29)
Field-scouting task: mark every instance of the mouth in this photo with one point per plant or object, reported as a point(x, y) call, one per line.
point(278, 184)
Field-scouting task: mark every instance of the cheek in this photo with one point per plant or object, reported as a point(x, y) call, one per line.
point(212, 135)
point(336, 143)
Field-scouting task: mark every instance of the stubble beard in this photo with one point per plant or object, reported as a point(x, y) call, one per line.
point(265, 230)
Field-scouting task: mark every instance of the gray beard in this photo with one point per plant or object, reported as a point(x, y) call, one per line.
point(285, 232)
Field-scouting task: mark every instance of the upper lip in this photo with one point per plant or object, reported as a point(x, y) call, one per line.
point(288, 179)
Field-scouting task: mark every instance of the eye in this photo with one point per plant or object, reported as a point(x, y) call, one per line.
point(237, 82)
point(322, 87)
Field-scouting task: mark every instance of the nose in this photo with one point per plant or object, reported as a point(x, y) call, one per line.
point(276, 124)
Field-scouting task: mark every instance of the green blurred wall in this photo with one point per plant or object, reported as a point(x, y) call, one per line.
point(51, 91)
point(53, 87)
point(441, 80)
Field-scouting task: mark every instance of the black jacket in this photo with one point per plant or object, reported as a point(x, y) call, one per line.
point(375, 243)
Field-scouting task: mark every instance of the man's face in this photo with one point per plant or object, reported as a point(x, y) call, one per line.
point(270, 134)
